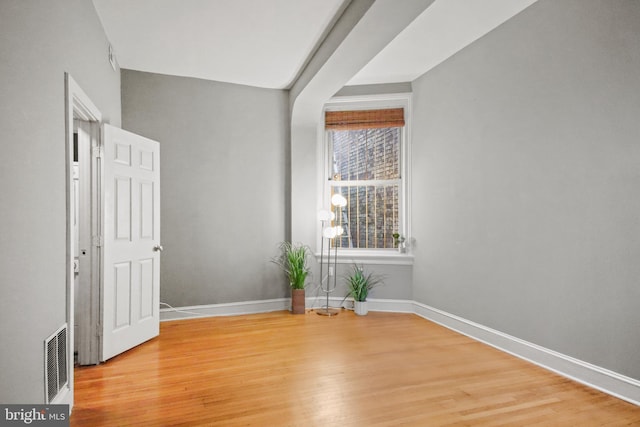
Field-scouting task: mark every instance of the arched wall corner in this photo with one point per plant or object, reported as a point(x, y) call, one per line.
point(363, 30)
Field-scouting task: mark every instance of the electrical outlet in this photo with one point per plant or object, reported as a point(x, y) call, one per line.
point(330, 271)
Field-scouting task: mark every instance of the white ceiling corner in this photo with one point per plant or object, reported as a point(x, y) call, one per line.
point(444, 28)
point(261, 43)
point(265, 43)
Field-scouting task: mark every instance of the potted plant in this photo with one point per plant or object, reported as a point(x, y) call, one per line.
point(293, 260)
point(358, 286)
point(398, 241)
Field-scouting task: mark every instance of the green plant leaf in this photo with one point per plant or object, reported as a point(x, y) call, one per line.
point(359, 284)
point(293, 261)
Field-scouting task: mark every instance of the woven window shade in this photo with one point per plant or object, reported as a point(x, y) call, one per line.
point(364, 119)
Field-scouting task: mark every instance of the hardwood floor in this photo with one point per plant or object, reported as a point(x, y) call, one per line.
point(277, 369)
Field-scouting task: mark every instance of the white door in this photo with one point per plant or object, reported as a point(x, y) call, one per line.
point(131, 247)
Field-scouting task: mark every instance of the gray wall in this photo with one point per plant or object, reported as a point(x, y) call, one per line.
point(396, 280)
point(526, 207)
point(39, 41)
point(223, 152)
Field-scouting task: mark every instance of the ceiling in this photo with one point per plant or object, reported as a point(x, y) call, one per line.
point(265, 43)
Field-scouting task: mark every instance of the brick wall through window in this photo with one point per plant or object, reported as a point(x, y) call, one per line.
point(365, 169)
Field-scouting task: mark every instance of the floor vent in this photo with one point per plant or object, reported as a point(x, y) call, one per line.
point(56, 372)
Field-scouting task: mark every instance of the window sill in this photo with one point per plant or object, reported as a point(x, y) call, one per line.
point(375, 256)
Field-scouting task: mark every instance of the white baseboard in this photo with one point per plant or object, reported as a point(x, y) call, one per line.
point(607, 381)
point(226, 309)
point(390, 305)
point(63, 398)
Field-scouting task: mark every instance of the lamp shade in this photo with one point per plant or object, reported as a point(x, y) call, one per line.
point(329, 232)
point(338, 200)
point(325, 215)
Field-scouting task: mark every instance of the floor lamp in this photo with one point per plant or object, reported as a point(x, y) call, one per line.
point(330, 233)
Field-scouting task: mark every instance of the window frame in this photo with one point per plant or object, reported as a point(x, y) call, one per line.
point(370, 102)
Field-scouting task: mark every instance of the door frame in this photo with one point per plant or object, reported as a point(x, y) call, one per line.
point(90, 227)
point(79, 106)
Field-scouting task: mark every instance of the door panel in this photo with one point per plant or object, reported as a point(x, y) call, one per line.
point(146, 210)
point(131, 282)
point(123, 208)
point(146, 288)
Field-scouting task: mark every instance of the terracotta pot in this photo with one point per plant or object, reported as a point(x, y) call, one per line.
point(297, 301)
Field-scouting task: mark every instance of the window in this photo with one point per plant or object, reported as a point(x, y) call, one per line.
point(364, 163)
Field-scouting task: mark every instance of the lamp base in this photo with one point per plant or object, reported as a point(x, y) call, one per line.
point(325, 311)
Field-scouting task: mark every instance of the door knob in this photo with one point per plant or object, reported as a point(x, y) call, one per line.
point(158, 248)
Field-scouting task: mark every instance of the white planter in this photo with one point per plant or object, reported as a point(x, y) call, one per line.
point(360, 308)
